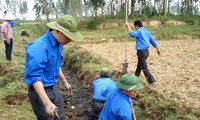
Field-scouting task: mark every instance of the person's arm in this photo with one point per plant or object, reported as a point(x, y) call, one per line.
point(154, 43)
point(128, 27)
point(64, 81)
point(132, 33)
point(4, 29)
point(6, 36)
point(158, 51)
point(51, 109)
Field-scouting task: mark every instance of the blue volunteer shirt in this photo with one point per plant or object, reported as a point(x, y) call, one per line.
point(143, 39)
point(108, 91)
point(117, 107)
point(100, 85)
point(43, 60)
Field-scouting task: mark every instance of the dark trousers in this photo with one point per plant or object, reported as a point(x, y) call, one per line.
point(142, 65)
point(95, 110)
point(8, 50)
point(38, 106)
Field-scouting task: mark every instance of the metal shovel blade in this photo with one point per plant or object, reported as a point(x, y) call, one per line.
point(124, 68)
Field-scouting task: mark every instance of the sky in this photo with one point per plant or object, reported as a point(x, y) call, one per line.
point(29, 16)
point(31, 13)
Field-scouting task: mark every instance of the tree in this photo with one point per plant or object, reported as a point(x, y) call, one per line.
point(23, 8)
point(81, 10)
point(73, 7)
point(0, 6)
point(12, 5)
point(43, 7)
point(97, 4)
point(67, 3)
point(143, 7)
point(132, 8)
point(164, 8)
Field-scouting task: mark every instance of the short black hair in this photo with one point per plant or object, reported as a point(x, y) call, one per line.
point(138, 23)
point(5, 12)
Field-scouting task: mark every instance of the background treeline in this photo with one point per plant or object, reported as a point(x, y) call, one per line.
point(103, 8)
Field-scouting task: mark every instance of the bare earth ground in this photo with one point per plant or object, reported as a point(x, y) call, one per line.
point(176, 69)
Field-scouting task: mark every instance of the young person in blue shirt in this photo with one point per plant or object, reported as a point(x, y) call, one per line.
point(118, 105)
point(143, 41)
point(43, 68)
point(99, 86)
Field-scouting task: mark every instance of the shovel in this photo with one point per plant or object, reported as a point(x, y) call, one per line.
point(125, 64)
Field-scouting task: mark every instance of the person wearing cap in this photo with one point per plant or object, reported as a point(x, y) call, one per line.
point(7, 35)
point(143, 41)
point(43, 68)
point(99, 86)
point(118, 105)
point(12, 22)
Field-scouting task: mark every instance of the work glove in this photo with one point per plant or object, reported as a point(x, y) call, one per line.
point(68, 87)
point(52, 110)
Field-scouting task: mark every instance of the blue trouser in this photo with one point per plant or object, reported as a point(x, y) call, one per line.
point(142, 65)
point(8, 50)
point(38, 106)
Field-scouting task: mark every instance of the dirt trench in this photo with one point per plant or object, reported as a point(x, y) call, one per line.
point(77, 106)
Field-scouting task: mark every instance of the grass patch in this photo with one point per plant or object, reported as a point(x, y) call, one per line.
point(177, 33)
point(16, 112)
point(12, 88)
point(160, 33)
point(76, 58)
point(154, 106)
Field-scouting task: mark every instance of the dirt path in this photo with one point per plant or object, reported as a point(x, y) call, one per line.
point(176, 69)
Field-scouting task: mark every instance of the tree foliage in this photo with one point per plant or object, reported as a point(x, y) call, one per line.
point(23, 8)
point(44, 7)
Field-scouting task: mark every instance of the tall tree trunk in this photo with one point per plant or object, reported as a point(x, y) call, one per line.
point(178, 8)
point(168, 11)
point(186, 7)
point(165, 8)
point(154, 7)
point(81, 10)
point(143, 7)
point(111, 8)
point(46, 11)
point(95, 11)
point(132, 8)
point(161, 4)
point(70, 8)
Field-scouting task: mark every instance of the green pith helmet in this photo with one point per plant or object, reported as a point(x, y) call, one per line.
point(104, 72)
point(129, 82)
point(68, 26)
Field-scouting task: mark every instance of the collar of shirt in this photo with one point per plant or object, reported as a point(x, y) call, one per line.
point(52, 38)
point(125, 96)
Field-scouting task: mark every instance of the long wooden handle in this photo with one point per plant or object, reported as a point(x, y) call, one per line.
point(126, 11)
point(133, 113)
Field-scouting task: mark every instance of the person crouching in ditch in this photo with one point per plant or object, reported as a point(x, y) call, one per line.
point(118, 105)
point(43, 68)
point(98, 87)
